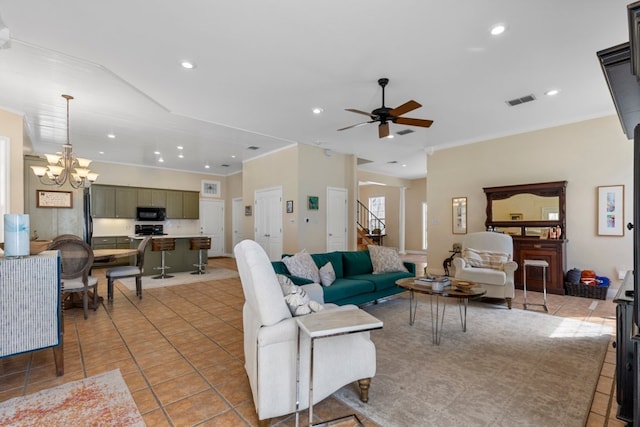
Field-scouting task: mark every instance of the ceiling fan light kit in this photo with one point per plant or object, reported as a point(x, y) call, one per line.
point(384, 114)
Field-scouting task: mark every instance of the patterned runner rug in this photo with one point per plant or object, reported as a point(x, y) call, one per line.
point(101, 400)
point(511, 367)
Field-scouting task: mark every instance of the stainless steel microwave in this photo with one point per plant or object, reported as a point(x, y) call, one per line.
point(150, 213)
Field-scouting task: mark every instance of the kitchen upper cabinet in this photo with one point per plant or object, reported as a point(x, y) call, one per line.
point(126, 202)
point(152, 197)
point(191, 205)
point(109, 201)
point(174, 204)
point(103, 201)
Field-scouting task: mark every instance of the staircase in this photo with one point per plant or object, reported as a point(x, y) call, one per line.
point(368, 223)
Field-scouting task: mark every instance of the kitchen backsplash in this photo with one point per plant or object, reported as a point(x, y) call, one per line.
point(126, 227)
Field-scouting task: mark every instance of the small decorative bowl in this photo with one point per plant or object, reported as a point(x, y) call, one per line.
point(464, 286)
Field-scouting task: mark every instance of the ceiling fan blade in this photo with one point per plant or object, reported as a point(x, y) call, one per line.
point(353, 110)
point(356, 125)
point(383, 130)
point(405, 108)
point(413, 122)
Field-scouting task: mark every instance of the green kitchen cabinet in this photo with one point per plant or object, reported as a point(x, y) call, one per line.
point(126, 202)
point(103, 201)
point(191, 205)
point(174, 204)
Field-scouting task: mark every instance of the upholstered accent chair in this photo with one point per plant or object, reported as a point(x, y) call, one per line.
point(129, 271)
point(271, 343)
point(487, 259)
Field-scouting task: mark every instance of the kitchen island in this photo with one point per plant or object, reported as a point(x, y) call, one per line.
point(180, 259)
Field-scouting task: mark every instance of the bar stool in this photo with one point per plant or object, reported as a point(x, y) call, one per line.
point(163, 245)
point(200, 244)
point(536, 263)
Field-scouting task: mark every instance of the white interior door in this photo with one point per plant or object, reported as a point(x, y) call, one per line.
point(336, 219)
point(237, 212)
point(212, 224)
point(268, 221)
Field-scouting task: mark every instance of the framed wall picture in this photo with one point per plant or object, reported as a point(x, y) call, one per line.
point(210, 188)
point(289, 206)
point(459, 215)
point(516, 216)
point(247, 210)
point(611, 210)
point(54, 199)
point(312, 203)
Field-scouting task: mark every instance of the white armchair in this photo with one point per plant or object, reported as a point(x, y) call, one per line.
point(487, 259)
point(271, 343)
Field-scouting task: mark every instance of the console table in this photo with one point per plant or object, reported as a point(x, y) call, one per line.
point(30, 306)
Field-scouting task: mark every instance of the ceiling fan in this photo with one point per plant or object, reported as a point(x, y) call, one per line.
point(384, 115)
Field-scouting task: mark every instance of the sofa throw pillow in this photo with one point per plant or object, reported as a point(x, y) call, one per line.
point(327, 274)
point(485, 259)
point(296, 298)
point(302, 265)
point(385, 260)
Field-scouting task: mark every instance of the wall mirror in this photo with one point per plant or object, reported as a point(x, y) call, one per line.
point(526, 210)
point(459, 215)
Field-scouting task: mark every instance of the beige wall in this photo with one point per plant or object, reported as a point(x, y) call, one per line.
point(301, 171)
point(232, 190)
point(415, 196)
point(586, 154)
point(11, 127)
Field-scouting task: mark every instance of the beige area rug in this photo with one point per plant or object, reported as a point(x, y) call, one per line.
point(101, 400)
point(511, 367)
point(185, 278)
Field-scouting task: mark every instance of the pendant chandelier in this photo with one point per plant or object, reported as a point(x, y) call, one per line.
point(65, 166)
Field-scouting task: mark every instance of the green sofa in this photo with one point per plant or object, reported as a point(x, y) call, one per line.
point(355, 282)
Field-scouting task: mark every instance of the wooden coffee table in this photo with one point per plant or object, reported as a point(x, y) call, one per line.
point(437, 319)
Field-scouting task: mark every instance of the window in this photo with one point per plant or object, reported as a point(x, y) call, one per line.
point(376, 213)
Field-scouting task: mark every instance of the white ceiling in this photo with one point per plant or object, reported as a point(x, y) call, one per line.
point(263, 65)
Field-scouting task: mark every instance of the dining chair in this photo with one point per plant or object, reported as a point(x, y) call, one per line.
point(129, 271)
point(76, 258)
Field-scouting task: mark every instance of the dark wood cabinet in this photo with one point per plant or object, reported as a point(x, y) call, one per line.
point(550, 250)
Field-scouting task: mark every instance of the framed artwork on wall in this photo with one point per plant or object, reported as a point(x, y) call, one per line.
point(247, 210)
point(289, 206)
point(611, 210)
point(459, 215)
point(312, 203)
point(210, 188)
point(54, 199)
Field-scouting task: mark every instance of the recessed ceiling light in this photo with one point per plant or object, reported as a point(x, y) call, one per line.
point(157, 153)
point(207, 166)
point(181, 156)
point(497, 29)
point(100, 152)
point(110, 135)
point(552, 92)
point(179, 147)
point(317, 110)
point(233, 156)
point(404, 166)
point(161, 160)
point(390, 136)
point(188, 65)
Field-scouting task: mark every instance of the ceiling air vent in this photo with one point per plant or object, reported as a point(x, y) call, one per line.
point(392, 162)
point(253, 147)
point(521, 100)
point(224, 165)
point(405, 132)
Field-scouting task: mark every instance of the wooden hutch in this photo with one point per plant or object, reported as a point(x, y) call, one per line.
point(528, 213)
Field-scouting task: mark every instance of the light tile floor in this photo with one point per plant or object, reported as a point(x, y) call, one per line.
point(180, 352)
